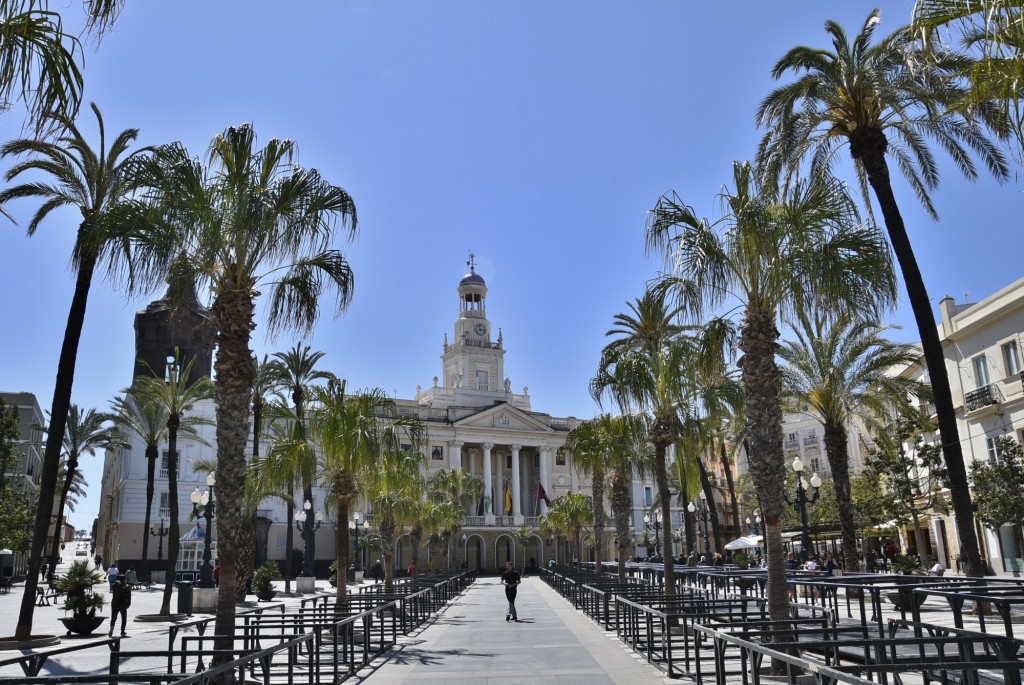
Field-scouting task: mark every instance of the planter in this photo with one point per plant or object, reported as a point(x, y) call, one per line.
point(305, 585)
point(204, 600)
point(267, 595)
point(83, 625)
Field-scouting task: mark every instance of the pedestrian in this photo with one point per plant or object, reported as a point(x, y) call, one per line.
point(112, 574)
point(411, 570)
point(216, 574)
point(131, 578)
point(120, 600)
point(377, 571)
point(511, 579)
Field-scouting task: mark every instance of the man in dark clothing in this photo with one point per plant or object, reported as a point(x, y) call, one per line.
point(511, 579)
point(120, 600)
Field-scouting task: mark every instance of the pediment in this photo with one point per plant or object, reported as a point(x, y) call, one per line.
point(503, 417)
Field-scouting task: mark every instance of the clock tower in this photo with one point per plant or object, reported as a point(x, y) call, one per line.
point(474, 364)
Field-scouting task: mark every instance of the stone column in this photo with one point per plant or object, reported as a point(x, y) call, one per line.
point(545, 477)
point(488, 490)
point(456, 456)
point(517, 508)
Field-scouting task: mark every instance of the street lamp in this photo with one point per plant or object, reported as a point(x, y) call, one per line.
point(307, 527)
point(654, 522)
point(161, 533)
point(701, 511)
point(205, 500)
point(801, 501)
point(353, 526)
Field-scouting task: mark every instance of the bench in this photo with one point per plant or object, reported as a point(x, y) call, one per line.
point(44, 595)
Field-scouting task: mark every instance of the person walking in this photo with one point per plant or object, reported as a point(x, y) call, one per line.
point(120, 600)
point(112, 574)
point(511, 579)
point(377, 571)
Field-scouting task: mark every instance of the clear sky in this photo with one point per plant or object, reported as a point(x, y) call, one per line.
point(536, 134)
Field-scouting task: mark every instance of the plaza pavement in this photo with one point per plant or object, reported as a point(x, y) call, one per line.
point(468, 641)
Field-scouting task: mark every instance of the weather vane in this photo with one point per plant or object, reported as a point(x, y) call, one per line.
point(471, 262)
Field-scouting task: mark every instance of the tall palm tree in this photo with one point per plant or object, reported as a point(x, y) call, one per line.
point(773, 252)
point(460, 488)
point(840, 367)
point(253, 218)
point(293, 372)
point(571, 513)
point(98, 183)
point(993, 28)
point(86, 432)
point(177, 398)
point(643, 368)
point(394, 489)
point(887, 99)
point(590, 445)
point(137, 412)
point(352, 431)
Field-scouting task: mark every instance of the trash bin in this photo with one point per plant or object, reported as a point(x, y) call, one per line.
point(184, 598)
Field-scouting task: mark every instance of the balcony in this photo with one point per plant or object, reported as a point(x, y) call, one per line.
point(982, 397)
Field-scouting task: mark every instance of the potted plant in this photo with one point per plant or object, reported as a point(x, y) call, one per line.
point(906, 565)
point(80, 600)
point(263, 581)
point(333, 578)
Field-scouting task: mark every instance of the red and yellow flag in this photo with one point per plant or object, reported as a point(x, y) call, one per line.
point(508, 498)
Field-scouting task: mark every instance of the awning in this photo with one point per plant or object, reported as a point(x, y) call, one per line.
point(745, 542)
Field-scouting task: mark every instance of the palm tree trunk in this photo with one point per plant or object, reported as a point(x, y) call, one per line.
point(289, 541)
point(621, 504)
point(598, 494)
point(233, 313)
point(869, 147)
point(839, 464)
point(174, 532)
point(57, 527)
point(709, 495)
point(762, 389)
point(727, 468)
point(661, 440)
point(341, 545)
point(54, 441)
point(152, 453)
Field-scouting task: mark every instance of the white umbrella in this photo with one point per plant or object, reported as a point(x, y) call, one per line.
point(745, 542)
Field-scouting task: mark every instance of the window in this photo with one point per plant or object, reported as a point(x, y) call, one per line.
point(165, 506)
point(163, 464)
point(980, 371)
point(437, 453)
point(481, 380)
point(406, 447)
point(560, 458)
point(993, 450)
point(648, 496)
point(508, 462)
point(815, 465)
point(1011, 358)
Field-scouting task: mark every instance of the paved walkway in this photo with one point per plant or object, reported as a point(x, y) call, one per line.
point(470, 642)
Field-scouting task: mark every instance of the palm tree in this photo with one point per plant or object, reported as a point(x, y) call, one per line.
point(589, 443)
point(293, 372)
point(840, 367)
point(773, 252)
point(177, 398)
point(86, 432)
point(352, 432)
point(644, 368)
point(439, 519)
point(992, 27)
point(626, 453)
point(139, 413)
point(394, 490)
point(97, 183)
point(253, 218)
point(460, 488)
point(521, 536)
point(571, 513)
point(887, 99)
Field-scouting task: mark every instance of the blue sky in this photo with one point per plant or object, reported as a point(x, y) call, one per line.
point(536, 134)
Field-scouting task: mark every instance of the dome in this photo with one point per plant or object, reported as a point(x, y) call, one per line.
point(472, 278)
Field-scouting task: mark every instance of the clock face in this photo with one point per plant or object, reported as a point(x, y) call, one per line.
point(480, 329)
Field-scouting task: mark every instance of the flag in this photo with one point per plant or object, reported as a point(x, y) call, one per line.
point(508, 499)
point(541, 494)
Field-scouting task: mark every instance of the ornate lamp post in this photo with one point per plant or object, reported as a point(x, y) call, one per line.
point(307, 527)
point(654, 522)
point(205, 500)
point(354, 526)
point(160, 533)
point(801, 501)
point(700, 509)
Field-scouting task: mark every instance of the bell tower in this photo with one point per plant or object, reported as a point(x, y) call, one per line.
point(165, 326)
point(474, 362)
